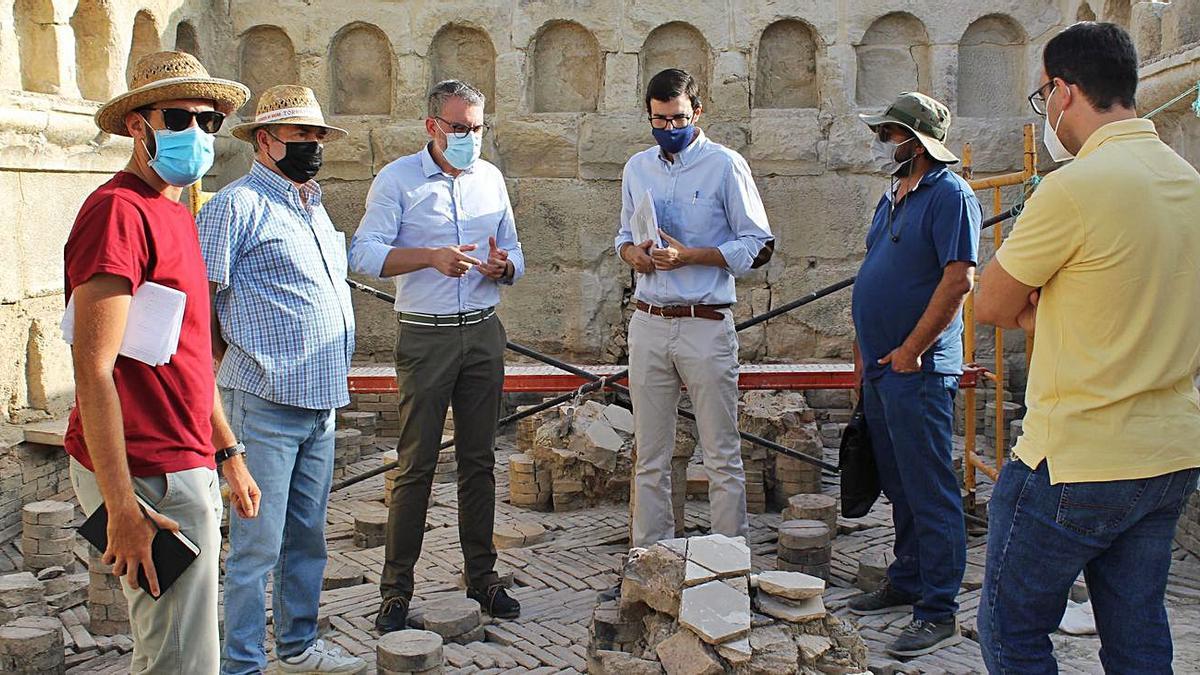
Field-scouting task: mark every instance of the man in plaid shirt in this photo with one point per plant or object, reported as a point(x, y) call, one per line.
point(283, 333)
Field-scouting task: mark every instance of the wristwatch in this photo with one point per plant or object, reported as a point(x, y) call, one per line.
point(233, 451)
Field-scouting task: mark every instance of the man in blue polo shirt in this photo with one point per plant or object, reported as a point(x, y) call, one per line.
point(922, 249)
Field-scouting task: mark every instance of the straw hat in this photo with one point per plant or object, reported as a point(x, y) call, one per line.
point(165, 76)
point(286, 104)
point(925, 117)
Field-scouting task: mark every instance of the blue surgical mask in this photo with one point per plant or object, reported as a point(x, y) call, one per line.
point(462, 152)
point(673, 140)
point(182, 157)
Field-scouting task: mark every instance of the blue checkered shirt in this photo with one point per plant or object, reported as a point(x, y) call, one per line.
point(282, 300)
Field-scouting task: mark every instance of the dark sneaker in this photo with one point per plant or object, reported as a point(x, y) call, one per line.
point(393, 616)
point(925, 637)
point(609, 595)
point(496, 602)
point(880, 601)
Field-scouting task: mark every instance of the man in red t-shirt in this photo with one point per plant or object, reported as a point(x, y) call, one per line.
point(143, 431)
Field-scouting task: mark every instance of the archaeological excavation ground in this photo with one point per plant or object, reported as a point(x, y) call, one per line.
point(782, 83)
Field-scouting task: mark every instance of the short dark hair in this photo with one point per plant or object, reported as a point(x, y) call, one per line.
point(1097, 57)
point(670, 84)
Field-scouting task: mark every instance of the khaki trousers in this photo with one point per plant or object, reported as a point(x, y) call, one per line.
point(176, 634)
point(702, 354)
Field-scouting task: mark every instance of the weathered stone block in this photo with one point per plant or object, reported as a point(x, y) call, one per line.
point(408, 651)
point(542, 146)
point(684, 654)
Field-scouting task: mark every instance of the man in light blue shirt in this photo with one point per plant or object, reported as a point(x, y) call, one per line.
point(440, 223)
point(712, 228)
point(283, 334)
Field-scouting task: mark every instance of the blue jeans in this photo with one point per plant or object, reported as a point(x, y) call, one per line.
point(911, 421)
point(1039, 538)
point(289, 451)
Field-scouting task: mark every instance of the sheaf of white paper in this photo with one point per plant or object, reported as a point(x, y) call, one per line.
point(644, 223)
point(153, 327)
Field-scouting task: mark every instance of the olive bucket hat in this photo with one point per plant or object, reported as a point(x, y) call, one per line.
point(925, 117)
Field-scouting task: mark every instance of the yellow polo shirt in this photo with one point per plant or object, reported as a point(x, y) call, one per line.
point(1113, 241)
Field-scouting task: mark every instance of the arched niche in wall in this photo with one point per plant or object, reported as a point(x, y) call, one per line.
point(96, 50)
point(145, 41)
point(786, 73)
point(676, 45)
point(992, 76)
point(37, 45)
point(568, 69)
point(464, 53)
point(267, 58)
point(186, 39)
point(893, 57)
point(361, 62)
point(1118, 12)
point(1085, 13)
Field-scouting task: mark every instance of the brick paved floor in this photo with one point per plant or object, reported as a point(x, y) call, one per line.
point(556, 582)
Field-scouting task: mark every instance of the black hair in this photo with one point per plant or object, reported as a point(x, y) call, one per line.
point(670, 84)
point(1099, 58)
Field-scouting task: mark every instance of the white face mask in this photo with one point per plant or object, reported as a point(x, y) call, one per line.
point(883, 154)
point(1058, 151)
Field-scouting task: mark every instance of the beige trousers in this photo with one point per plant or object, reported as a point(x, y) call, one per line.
point(702, 354)
point(176, 634)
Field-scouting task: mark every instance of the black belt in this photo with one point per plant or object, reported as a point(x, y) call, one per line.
point(446, 320)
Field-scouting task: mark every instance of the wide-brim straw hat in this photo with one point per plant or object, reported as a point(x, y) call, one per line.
point(924, 116)
point(166, 76)
point(287, 104)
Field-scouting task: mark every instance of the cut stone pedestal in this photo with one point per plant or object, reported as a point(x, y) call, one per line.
point(408, 652)
point(107, 610)
point(47, 538)
point(32, 644)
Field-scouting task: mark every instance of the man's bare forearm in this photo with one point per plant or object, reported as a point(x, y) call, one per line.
point(222, 436)
point(707, 256)
point(104, 432)
point(404, 260)
point(947, 299)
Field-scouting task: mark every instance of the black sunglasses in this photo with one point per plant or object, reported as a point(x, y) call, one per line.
point(178, 119)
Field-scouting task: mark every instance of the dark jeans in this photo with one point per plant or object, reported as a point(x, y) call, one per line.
point(911, 420)
point(1039, 538)
point(437, 367)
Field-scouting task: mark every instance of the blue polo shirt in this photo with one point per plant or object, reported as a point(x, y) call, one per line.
point(934, 225)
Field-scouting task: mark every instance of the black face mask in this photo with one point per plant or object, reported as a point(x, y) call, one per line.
point(301, 161)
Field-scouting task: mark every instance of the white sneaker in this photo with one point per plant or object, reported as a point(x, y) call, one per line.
point(1078, 619)
point(322, 658)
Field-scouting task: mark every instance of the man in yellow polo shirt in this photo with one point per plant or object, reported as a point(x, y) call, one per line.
point(1105, 260)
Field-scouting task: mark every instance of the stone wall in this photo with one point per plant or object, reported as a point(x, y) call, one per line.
point(782, 83)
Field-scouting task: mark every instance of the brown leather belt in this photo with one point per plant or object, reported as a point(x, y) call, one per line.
point(682, 311)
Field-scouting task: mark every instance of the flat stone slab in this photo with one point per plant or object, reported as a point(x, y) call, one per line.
point(20, 589)
point(790, 585)
point(794, 611)
point(49, 432)
point(517, 534)
point(452, 617)
point(735, 651)
point(409, 651)
point(694, 575)
point(716, 612)
point(619, 418)
point(723, 556)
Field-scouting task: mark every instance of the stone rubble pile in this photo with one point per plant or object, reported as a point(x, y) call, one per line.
point(587, 453)
point(785, 418)
point(692, 607)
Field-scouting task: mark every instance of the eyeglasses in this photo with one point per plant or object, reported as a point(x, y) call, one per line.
point(1037, 100)
point(178, 119)
point(674, 121)
point(462, 130)
point(884, 133)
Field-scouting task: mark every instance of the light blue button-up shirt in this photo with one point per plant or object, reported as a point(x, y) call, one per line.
point(282, 299)
point(414, 204)
point(705, 198)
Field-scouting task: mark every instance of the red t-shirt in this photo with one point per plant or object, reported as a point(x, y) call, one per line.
point(128, 230)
